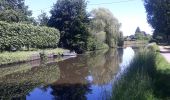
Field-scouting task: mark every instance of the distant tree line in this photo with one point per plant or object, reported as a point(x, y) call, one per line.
point(79, 30)
point(141, 35)
point(138, 35)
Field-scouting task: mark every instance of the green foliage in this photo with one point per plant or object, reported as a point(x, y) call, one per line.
point(10, 16)
point(22, 56)
point(70, 17)
point(162, 64)
point(138, 30)
point(104, 21)
point(43, 19)
point(17, 84)
point(16, 36)
point(94, 44)
point(8, 58)
point(153, 47)
point(146, 78)
point(140, 36)
point(158, 15)
point(136, 83)
point(15, 11)
point(120, 40)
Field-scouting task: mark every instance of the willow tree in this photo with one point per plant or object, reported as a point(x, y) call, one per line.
point(70, 17)
point(158, 15)
point(104, 21)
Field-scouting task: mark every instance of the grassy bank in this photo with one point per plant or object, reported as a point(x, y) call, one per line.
point(147, 78)
point(22, 56)
point(135, 43)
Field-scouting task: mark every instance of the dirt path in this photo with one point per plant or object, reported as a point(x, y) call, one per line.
point(165, 51)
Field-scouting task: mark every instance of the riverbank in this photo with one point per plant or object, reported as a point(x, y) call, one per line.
point(25, 56)
point(165, 51)
point(135, 43)
point(147, 78)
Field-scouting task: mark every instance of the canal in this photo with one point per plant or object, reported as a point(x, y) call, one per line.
point(85, 77)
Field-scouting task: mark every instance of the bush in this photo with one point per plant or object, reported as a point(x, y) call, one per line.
point(153, 47)
point(15, 36)
point(94, 44)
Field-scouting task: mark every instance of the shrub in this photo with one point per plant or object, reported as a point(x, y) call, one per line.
point(15, 36)
point(153, 47)
point(94, 44)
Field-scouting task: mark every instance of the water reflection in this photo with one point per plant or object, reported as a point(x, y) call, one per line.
point(72, 84)
point(104, 66)
point(86, 77)
point(70, 91)
point(19, 83)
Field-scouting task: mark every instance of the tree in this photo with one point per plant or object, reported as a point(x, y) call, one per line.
point(15, 11)
point(103, 20)
point(43, 19)
point(140, 35)
point(137, 30)
point(120, 39)
point(158, 15)
point(70, 17)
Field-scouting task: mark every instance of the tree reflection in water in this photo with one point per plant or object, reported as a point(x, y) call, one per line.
point(104, 66)
point(19, 84)
point(71, 91)
point(73, 83)
point(71, 79)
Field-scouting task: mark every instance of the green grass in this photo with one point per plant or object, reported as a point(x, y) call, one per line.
point(147, 78)
point(162, 78)
point(161, 63)
point(55, 51)
point(153, 47)
point(136, 83)
point(21, 56)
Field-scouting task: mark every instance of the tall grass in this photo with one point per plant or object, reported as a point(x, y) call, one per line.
point(137, 82)
point(147, 77)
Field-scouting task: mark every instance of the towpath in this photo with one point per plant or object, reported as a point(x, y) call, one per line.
point(165, 51)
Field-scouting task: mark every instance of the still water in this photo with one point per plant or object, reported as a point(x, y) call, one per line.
point(86, 77)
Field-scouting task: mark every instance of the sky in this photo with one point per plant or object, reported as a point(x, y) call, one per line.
point(130, 13)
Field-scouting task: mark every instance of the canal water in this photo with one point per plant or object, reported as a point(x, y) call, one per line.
point(85, 77)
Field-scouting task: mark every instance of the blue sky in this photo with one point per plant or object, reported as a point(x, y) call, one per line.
point(131, 14)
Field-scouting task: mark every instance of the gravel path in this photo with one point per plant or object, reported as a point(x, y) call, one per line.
point(165, 51)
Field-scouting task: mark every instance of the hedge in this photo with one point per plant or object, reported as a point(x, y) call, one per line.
point(17, 35)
